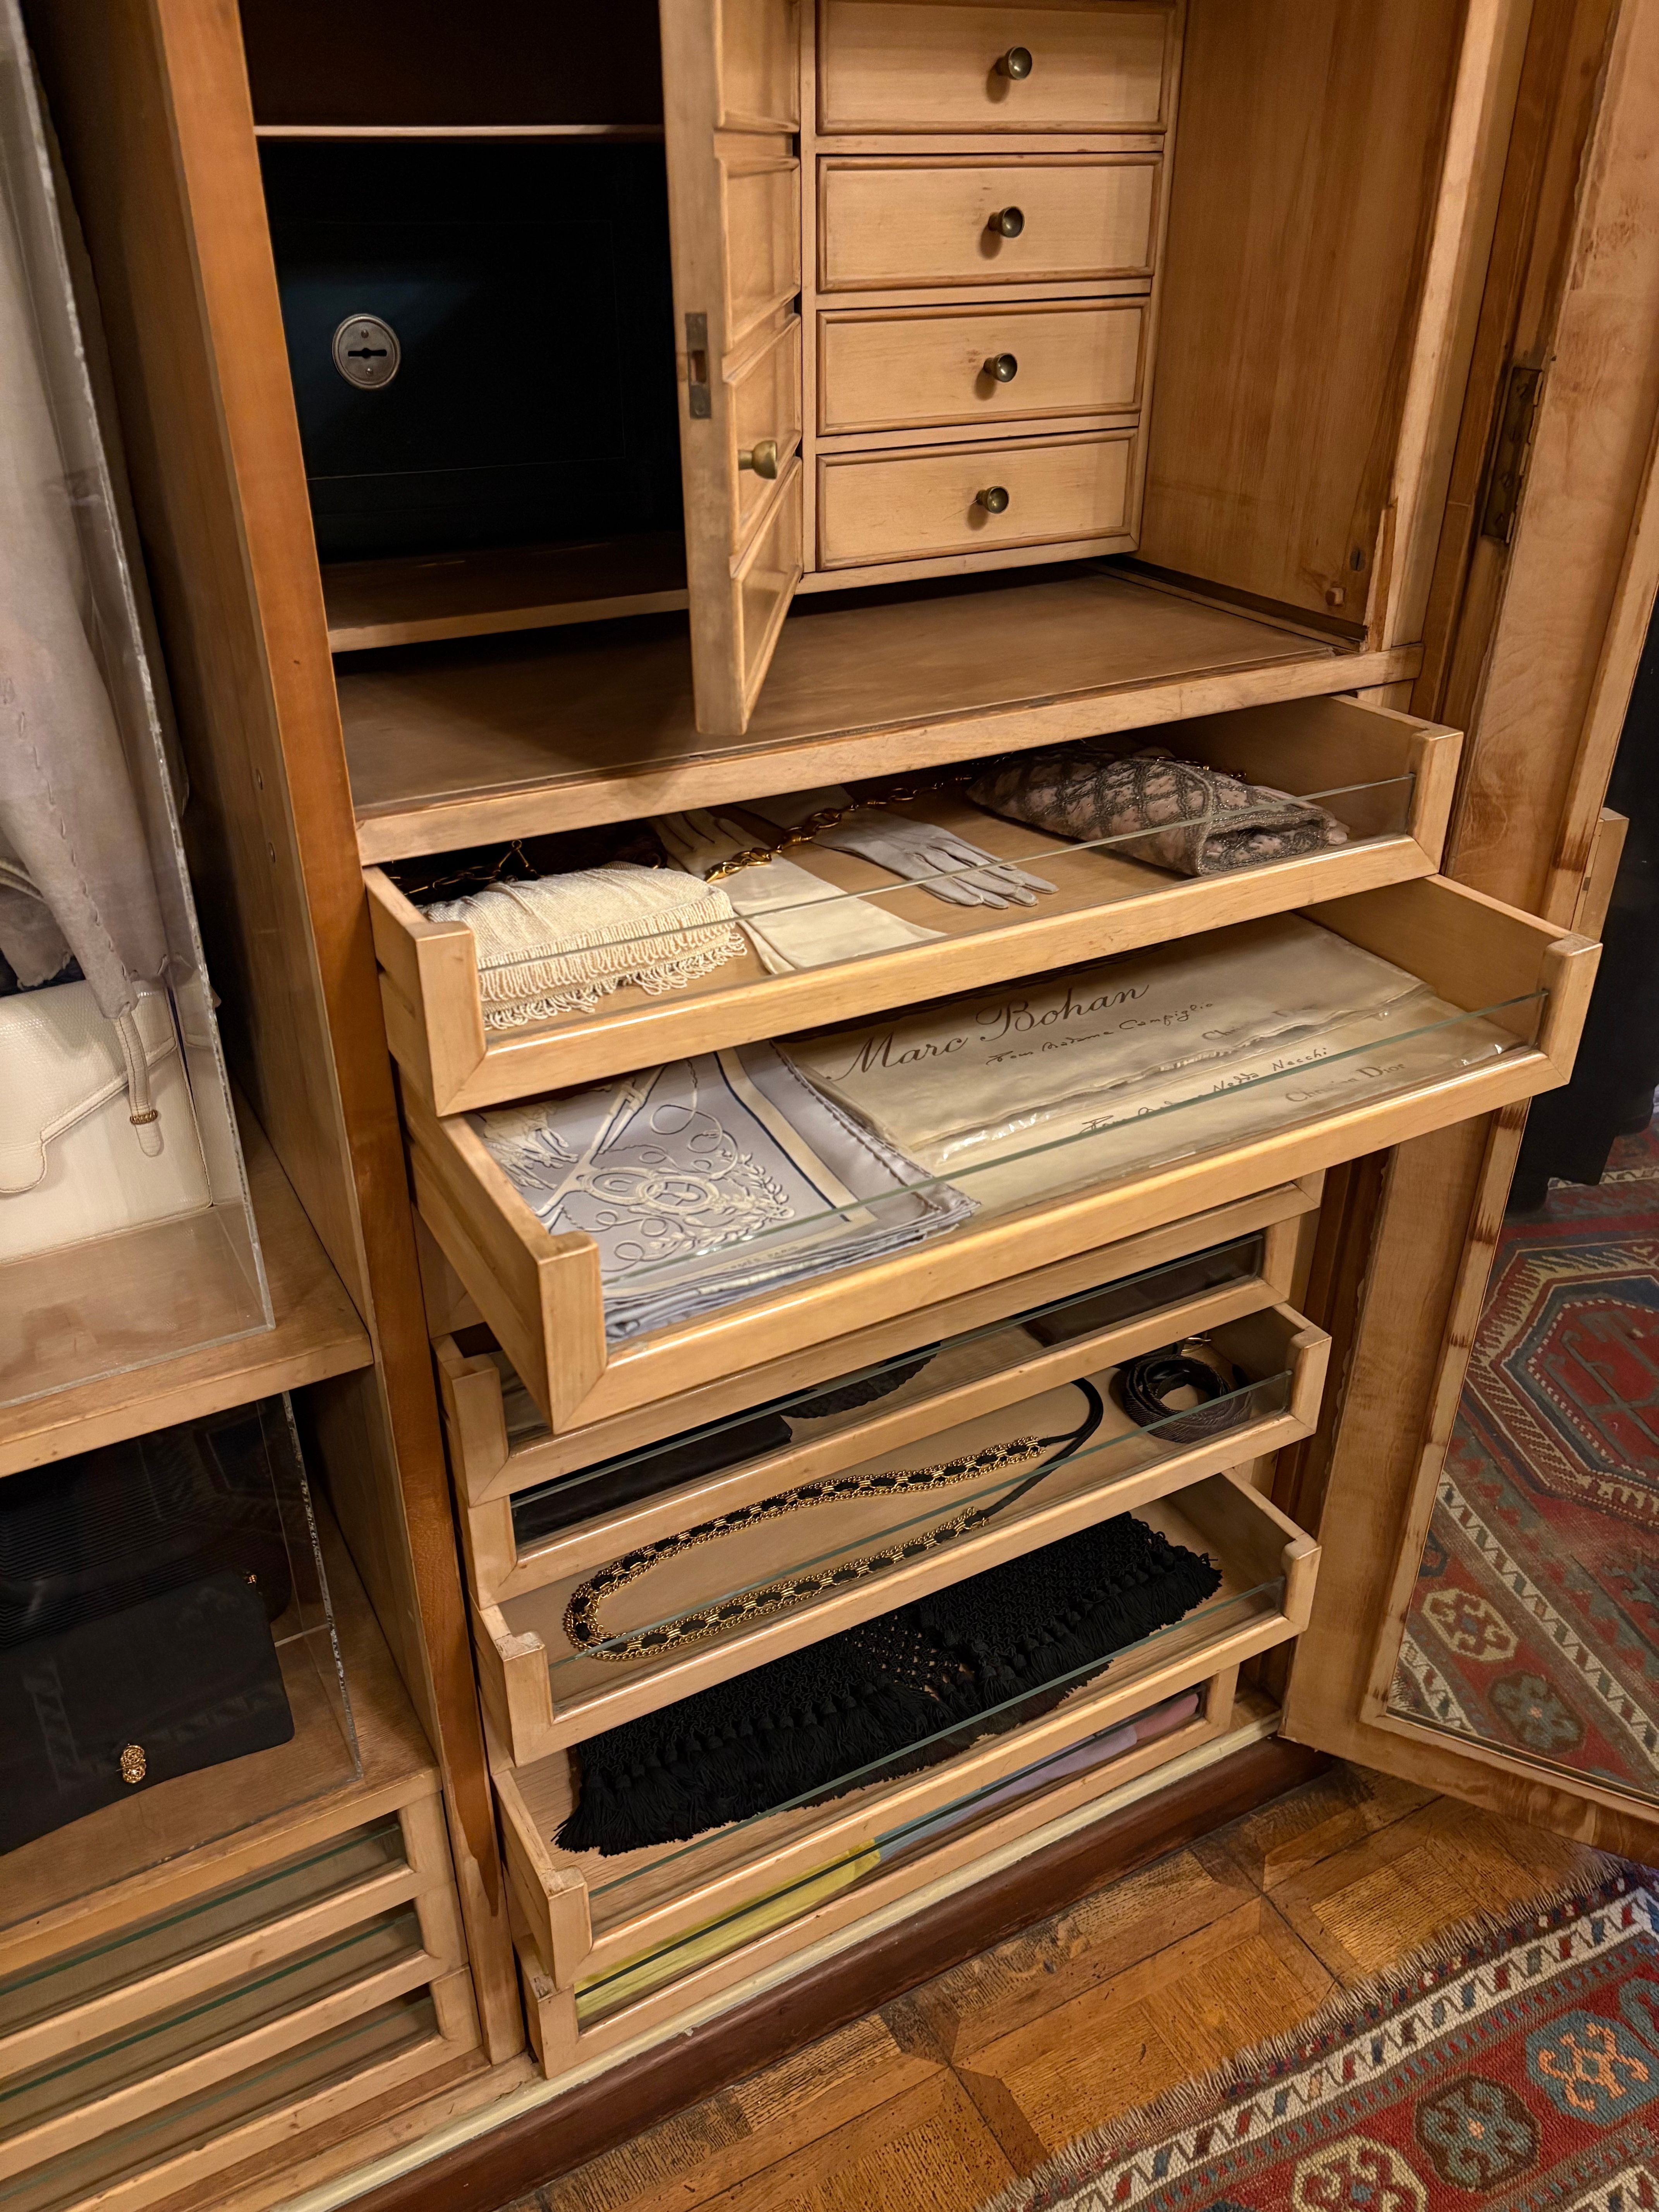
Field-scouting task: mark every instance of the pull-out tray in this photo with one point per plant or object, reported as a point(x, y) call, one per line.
point(1387, 776)
point(587, 1921)
point(597, 1504)
point(545, 1688)
point(1527, 981)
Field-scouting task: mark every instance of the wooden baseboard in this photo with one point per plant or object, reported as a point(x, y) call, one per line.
point(595, 2117)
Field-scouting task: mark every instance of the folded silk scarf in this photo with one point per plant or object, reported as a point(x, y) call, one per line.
point(810, 1722)
point(1200, 822)
point(713, 1180)
point(557, 944)
point(1153, 1055)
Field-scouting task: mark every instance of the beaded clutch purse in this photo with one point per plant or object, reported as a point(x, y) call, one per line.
point(1197, 820)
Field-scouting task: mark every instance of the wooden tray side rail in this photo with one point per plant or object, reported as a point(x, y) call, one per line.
point(498, 1569)
point(489, 1468)
point(429, 977)
point(517, 1675)
point(539, 1294)
point(568, 1934)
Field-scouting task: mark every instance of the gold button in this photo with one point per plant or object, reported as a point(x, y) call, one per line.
point(134, 1765)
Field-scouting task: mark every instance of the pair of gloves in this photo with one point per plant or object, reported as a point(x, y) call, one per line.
point(921, 853)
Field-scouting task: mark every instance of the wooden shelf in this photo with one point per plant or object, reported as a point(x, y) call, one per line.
point(491, 1467)
point(154, 1852)
point(969, 1376)
point(426, 599)
point(455, 744)
point(317, 1334)
point(614, 132)
point(1388, 777)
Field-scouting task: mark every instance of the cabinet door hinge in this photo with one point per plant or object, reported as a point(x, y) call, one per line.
point(1512, 451)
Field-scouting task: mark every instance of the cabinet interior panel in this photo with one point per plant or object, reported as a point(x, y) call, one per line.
point(1300, 202)
point(421, 598)
point(450, 744)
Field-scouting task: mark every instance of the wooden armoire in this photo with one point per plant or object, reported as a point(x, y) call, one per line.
point(889, 384)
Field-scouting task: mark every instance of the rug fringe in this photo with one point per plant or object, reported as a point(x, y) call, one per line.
point(1191, 2103)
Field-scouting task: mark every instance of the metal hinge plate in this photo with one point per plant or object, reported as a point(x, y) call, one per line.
point(1514, 448)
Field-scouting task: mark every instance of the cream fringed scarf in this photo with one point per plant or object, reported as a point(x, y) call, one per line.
point(557, 944)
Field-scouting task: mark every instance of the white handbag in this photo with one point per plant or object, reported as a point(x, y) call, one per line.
point(97, 1130)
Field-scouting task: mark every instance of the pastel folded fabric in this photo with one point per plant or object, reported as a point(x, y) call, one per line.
point(713, 1180)
point(1044, 1773)
point(1199, 821)
point(792, 918)
point(557, 944)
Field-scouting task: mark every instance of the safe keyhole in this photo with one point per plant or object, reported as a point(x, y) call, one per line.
point(367, 352)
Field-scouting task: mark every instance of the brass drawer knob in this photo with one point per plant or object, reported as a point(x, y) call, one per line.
point(994, 499)
point(1016, 63)
point(762, 457)
point(1007, 222)
point(1002, 367)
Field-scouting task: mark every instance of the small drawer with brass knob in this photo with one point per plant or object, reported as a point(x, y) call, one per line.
point(903, 222)
point(895, 369)
point(916, 65)
point(979, 498)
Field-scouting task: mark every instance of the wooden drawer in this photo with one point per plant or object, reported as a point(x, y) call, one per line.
point(585, 1916)
point(1388, 776)
point(887, 225)
point(1072, 1320)
point(541, 1694)
point(917, 367)
point(781, 1918)
point(900, 65)
point(901, 507)
point(95, 2106)
point(541, 1294)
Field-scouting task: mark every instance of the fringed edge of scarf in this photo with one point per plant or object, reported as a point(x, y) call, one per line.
point(588, 968)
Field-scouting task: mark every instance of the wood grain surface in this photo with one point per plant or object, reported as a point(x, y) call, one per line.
point(943, 2095)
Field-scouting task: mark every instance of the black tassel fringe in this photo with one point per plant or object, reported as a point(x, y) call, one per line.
point(807, 1722)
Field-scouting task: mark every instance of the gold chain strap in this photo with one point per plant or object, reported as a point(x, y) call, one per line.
point(582, 1616)
point(826, 817)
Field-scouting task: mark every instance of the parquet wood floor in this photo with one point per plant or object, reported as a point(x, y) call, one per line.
point(935, 2102)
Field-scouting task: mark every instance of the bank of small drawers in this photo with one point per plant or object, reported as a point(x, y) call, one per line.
point(982, 155)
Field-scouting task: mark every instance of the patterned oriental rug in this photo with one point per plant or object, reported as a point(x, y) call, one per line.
point(1536, 1623)
point(1512, 2072)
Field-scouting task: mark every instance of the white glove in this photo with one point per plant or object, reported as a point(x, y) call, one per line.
point(937, 860)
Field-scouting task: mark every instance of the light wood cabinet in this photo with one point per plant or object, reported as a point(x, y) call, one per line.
point(1270, 270)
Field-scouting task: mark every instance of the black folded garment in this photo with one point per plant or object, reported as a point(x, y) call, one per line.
point(116, 1705)
point(809, 1721)
point(105, 1530)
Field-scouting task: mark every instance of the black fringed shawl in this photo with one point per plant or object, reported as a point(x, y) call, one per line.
point(805, 1722)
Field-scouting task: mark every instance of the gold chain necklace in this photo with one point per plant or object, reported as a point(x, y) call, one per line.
point(805, 831)
point(582, 1616)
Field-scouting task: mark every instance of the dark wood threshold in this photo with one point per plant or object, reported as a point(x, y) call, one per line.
point(539, 2146)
